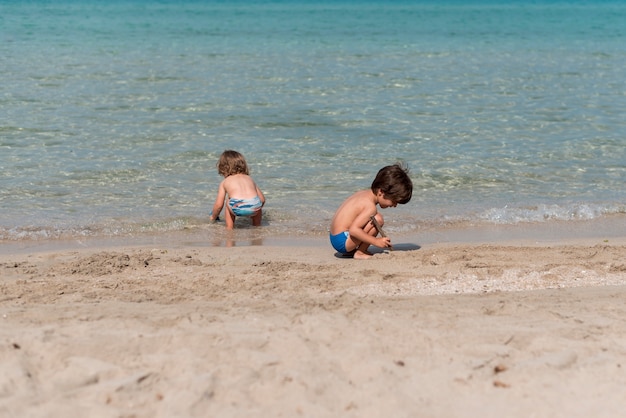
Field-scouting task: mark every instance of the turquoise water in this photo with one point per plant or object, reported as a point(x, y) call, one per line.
point(114, 113)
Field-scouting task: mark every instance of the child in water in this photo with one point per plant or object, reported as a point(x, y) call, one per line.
point(351, 230)
point(244, 196)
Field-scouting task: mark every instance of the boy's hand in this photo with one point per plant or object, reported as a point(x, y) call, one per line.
point(384, 242)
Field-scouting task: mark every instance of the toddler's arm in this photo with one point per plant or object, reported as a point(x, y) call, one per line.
point(219, 202)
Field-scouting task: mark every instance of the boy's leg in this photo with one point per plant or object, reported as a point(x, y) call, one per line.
point(370, 230)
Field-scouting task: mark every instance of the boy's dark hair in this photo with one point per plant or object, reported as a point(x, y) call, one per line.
point(394, 182)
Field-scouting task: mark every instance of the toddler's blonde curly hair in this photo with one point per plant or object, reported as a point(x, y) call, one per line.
point(230, 163)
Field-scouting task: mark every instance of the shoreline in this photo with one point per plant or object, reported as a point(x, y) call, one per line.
point(605, 230)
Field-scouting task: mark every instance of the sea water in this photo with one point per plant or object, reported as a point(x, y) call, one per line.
point(114, 113)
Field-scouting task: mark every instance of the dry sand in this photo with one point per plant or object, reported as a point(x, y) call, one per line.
point(448, 330)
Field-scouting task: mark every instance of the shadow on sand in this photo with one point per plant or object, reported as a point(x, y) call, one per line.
point(396, 247)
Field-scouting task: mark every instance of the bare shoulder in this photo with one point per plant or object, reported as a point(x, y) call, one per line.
point(362, 201)
point(225, 182)
point(358, 205)
point(361, 205)
point(236, 179)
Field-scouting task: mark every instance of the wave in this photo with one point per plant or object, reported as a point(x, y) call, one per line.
point(545, 212)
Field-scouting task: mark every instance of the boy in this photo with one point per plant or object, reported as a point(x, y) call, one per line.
point(244, 196)
point(351, 231)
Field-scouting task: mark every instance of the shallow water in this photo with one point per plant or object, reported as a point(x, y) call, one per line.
point(115, 114)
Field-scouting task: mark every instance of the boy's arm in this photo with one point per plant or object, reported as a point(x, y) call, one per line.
point(219, 202)
point(357, 231)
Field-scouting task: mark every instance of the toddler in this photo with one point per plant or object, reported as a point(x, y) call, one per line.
point(244, 196)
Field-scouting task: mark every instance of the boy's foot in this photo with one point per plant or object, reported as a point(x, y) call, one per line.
point(362, 255)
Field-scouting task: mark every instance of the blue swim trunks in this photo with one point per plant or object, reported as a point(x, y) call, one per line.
point(339, 242)
point(245, 207)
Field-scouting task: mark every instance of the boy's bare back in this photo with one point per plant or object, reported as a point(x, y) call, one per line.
point(354, 211)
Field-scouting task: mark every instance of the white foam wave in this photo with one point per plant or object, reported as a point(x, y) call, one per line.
point(554, 212)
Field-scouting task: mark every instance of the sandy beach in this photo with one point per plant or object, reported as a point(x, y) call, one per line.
point(443, 330)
